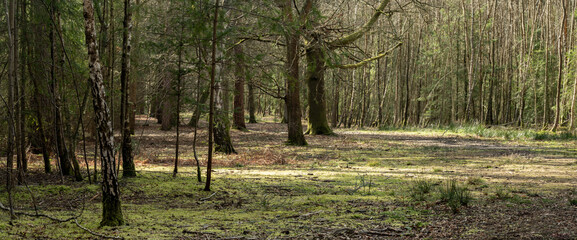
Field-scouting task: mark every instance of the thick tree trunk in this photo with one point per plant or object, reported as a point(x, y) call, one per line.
point(318, 123)
point(295, 130)
point(240, 74)
point(127, 157)
point(111, 207)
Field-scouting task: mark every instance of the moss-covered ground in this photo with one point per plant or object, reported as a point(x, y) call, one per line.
point(359, 184)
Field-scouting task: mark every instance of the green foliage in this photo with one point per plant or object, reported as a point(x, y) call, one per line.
point(454, 195)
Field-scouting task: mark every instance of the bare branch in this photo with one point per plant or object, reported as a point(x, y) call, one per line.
point(368, 60)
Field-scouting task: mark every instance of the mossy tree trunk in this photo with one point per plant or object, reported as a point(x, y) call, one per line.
point(318, 122)
point(221, 129)
point(111, 206)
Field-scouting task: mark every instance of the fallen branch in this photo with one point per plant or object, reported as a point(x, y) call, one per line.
point(206, 198)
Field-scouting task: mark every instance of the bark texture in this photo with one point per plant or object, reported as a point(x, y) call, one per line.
point(240, 74)
point(111, 207)
point(295, 130)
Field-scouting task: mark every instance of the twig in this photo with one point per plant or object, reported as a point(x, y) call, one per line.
point(206, 198)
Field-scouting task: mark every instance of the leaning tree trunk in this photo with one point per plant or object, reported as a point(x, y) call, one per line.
point(127, 158)
point(111, 207)
point(318, 123)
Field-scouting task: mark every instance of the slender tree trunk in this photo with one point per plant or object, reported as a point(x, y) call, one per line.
point(64, 160)
point(560, 51)
point(212, 97)
point(127, 156)
point(19, 105)
point(251, 104)
point(13, 65)
point(199, 108)
point(546, 88)
point(111, 207)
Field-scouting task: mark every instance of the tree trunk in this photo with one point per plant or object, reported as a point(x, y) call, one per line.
point(127, 157)
point(295, 130)
point(251, 104)
point(560, 51)
point(211, 102)
point(546, 88)
point(315, 74)
point(13, 65)
point(199, 108)
point(240, 74)
point(64, 160)
point(222, 140)
point(111, 207)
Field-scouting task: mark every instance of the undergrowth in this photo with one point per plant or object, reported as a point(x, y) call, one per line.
point(479, 130)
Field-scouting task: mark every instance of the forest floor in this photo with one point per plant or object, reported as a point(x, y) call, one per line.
point(358, 184)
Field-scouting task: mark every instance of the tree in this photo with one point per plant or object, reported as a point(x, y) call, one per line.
point(111, 207)
point(12, 78)
point(127, 157)
point(316, 54)
point(292, 36)
point(212, 97)
point(222, 139)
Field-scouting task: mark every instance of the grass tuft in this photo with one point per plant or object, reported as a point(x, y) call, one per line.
point(420, 189)
point(454, 195)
